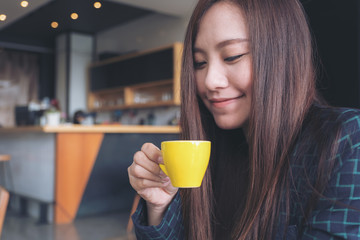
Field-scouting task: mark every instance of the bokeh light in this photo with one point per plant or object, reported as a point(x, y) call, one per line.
point(97, 5)
point(24, 4)
point(2, 17)
point(74, 16)
point(54, 24)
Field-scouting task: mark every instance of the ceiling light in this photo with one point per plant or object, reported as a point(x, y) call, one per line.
point(54, 24)
point(74, 16)
point(24, 4)
point(97, 5)
point(2, 17)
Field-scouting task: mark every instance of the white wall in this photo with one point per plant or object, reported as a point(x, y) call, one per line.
point(81, 49)
point(80, 55)
point(60, 63)
point(149, 32)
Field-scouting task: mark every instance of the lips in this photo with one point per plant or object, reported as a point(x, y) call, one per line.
point(222, 102)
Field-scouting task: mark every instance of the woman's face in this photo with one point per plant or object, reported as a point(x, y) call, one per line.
point(222, 64)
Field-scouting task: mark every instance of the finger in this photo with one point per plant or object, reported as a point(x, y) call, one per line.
point(139, 172)
point(151, 151)
point(141, 183)
point(142, 160)
point(160, 159)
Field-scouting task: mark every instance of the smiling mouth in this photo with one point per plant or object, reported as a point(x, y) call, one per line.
point(221, 102)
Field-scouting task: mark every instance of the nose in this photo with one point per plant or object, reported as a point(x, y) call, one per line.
point(216, 77)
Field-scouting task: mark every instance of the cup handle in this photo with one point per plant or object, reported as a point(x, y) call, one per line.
point(162, 166)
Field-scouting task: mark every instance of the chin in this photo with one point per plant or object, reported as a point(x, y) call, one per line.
point(226, 125)
point(227, 122)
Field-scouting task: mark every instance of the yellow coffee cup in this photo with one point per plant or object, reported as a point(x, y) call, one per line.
point(185, 161)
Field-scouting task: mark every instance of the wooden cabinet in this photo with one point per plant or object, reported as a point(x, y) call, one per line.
point(139, 80)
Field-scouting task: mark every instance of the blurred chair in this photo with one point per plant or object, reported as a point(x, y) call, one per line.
point(4, 194)
point(130, 226)
point(4, 199)
point(4, 158)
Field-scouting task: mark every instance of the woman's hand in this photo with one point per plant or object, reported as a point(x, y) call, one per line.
point(150, 182)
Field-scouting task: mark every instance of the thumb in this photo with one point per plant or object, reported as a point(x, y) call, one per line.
point(170, 189)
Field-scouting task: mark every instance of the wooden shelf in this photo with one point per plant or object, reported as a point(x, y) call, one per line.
point(108, 93)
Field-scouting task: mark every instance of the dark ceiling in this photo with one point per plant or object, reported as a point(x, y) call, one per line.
point(34, 29)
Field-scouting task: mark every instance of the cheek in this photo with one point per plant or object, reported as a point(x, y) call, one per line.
point(243, 78)
point(250, 76)
point(200, 84)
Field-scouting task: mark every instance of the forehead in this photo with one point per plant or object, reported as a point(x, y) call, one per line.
point(223, 21)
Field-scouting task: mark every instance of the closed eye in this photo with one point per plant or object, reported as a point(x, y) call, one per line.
point(234, 58)
point(199, 65)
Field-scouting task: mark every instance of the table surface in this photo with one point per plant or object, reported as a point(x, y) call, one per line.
point(95, 129)
point(4, 157)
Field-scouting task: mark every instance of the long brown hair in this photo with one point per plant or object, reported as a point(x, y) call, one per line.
point(283, 92)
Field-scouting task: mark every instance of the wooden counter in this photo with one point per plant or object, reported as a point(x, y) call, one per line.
point(96, 129)
point(77, 170)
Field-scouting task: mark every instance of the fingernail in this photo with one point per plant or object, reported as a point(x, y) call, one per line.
point(165, 180)
point(160, 159)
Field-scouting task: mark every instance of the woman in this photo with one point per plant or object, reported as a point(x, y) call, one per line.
point(283, 165)
point(79, 117)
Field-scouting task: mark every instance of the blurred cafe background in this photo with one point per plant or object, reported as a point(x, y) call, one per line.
point(84, 83)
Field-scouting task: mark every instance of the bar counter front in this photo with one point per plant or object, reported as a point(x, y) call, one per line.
point(63, 172)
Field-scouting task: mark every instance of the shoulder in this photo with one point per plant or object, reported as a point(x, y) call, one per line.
point(334, 213)
point(345, 116)
point(346, 155)
point(343, 124)
point(330, 138)
point(348, 117)
point(349, 123)
point(345, 120)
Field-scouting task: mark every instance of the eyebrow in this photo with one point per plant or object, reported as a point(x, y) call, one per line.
point(231, 41)
point(224, 43)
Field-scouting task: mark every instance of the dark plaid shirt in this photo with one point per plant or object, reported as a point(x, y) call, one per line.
point(329, 220)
